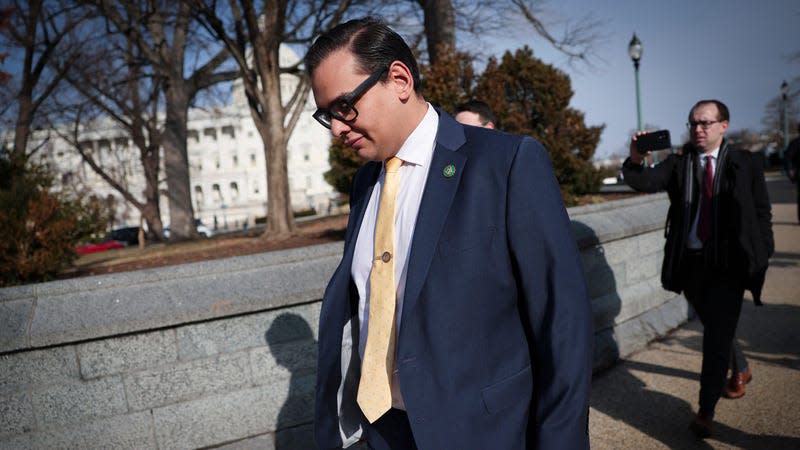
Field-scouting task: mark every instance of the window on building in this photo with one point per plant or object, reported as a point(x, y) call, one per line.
point(216, 193)
point(193, 135)
point(198, 196)
point(228, 131)
point(234, 191)
point(210, 133)
point(103, 150)
point(235, 161)
point(256, 187)
point(87, 146)
point(252, 159)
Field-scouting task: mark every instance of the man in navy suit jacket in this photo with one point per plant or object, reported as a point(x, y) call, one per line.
point(493, 324)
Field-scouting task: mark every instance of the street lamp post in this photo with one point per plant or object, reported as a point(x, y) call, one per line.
point(635, 50)
point(784, 105)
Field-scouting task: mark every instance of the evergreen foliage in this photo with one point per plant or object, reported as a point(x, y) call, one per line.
point(39, 226)
point(344, 162)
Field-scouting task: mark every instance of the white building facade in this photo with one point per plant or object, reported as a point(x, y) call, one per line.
point(226, 164)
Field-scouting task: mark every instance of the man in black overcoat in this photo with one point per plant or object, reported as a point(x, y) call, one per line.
point(718, 241)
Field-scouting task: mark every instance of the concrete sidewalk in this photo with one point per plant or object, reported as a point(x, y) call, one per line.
point(648, 400)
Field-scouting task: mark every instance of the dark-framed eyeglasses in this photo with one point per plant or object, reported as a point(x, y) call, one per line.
point(343, 108)
point(704, 124)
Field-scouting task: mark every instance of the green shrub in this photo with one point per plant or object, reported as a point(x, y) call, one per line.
point(40, 227)
point(344, 162)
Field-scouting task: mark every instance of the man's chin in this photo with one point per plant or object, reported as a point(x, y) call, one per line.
point(367, 154)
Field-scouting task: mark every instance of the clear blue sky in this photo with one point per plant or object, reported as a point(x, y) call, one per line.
point(733, 50)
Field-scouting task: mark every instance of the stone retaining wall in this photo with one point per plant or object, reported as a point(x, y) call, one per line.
point(223, 353)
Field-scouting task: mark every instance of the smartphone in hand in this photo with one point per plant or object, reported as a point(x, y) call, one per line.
point(656, 140)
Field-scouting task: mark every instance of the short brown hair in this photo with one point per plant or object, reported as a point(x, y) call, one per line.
point(722, 115)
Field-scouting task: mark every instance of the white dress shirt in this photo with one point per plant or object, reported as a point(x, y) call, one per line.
point(416, 153)
point(694, 242)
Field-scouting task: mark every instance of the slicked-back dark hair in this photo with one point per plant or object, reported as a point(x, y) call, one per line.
point(480, 108)
point(723, 114)
point(374, 45)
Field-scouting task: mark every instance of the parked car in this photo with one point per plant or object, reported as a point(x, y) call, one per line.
point(85, 249)
point(203, 230)
point(127, 235)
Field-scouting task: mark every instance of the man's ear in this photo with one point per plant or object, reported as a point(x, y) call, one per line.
point(402, 80)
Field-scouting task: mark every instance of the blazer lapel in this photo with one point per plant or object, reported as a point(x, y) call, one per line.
point(441, 186)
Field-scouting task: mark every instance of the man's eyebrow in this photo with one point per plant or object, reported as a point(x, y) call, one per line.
point(338, 98)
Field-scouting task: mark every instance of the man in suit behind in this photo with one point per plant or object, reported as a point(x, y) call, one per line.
point(490, 340)
point(475, 113)
point(719, 240)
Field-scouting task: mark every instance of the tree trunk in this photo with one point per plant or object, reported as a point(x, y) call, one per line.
point(270, 124)
point(176, 164)
point(151, 210)
point(22, 131)
point(440, 26)
point(280, 219)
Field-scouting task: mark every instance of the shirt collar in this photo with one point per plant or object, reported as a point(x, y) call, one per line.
point(714, 154)
point(418, 147)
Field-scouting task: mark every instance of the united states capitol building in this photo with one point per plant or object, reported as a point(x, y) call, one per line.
point(227, 166)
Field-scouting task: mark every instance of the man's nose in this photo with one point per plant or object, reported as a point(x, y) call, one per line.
point(338, 127)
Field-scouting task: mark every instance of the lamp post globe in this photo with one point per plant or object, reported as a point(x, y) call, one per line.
point(635, 50)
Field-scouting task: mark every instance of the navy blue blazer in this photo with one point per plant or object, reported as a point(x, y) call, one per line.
point(495, 344)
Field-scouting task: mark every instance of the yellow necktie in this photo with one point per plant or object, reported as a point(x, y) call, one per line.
point(374, 388)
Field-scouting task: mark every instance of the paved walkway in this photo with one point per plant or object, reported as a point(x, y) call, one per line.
point(648, 400)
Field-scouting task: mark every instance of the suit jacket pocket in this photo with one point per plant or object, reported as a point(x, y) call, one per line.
point(508, 392)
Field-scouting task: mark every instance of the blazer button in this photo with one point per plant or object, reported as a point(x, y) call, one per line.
point(386, 257)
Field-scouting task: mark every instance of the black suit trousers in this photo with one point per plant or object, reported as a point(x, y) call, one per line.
point(391, 432)
point(717, 299)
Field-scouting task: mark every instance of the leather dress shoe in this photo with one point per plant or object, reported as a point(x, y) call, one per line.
point(701, 425)
point(735, 386)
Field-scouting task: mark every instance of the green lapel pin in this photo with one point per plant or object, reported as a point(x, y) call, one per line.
point(449, 170)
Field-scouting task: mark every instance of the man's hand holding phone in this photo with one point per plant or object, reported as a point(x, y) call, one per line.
point(643, 143)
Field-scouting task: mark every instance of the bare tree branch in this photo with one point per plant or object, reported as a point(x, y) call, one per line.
point(40, 30)
point(254, 35)
point(578, 36)
point(164, 34)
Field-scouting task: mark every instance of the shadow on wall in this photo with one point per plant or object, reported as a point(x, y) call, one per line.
point(602, 287)
point(293, 346)
point(625, 397)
